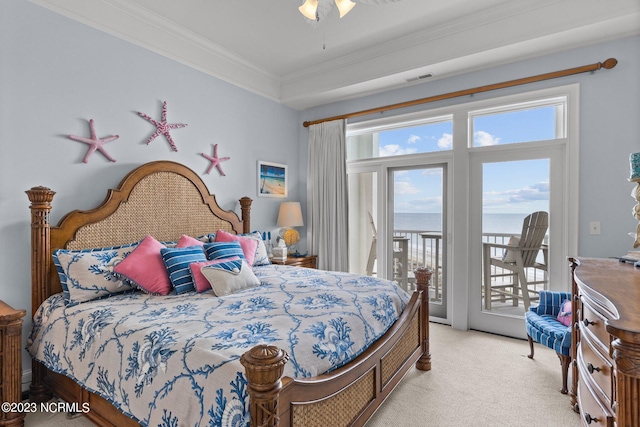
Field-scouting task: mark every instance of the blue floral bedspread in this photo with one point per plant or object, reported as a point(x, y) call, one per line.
point(174, 360)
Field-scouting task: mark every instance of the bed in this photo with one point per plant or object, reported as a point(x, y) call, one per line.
point(277, 382)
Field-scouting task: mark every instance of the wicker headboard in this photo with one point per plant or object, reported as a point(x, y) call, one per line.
point(164, 199)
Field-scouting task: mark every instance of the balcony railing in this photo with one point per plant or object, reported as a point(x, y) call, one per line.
point(425, 249)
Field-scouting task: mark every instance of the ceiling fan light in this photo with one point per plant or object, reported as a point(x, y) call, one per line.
point(309, 9)
point(344, 6)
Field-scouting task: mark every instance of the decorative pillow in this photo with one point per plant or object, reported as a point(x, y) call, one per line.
point(229, 277)
point(564, 316)
point(88, 274)
point(191, 241)
point(510, 256)
point(220, 250)
point(201, 283)
point(177, 261)
point(144, 266)
point(262, 257)
point(249, 245)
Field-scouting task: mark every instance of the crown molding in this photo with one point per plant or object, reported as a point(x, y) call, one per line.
point(138, 25)
point(468, 43)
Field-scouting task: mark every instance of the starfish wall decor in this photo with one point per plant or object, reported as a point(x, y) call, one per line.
point(95, 143)
point(215, 160)
point(163, 127)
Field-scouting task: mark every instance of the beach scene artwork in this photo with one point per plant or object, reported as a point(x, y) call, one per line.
point(272, 179)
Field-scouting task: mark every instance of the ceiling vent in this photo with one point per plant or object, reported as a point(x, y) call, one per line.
point(422, 77)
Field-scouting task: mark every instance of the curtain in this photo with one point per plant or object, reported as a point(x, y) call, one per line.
point(327, 202)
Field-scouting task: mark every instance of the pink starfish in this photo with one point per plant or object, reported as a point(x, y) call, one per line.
point(215, 160)
point(163, 126)
point(95, 143)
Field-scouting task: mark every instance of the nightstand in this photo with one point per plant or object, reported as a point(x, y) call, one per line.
point(11, 366)
point(310, 261)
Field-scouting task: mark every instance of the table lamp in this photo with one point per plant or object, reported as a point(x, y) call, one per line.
point(289, 216)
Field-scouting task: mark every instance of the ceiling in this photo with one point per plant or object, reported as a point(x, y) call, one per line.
point(268, 47)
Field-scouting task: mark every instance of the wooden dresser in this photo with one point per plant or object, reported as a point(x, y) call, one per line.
point(11, 364)
point(606, 342)
point(309, 261)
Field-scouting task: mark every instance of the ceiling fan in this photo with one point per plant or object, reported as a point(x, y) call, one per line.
point(317, 10)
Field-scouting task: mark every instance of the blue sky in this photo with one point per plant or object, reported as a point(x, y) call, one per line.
point(508, 187)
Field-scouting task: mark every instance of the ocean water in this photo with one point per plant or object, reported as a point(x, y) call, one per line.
point(491, 223)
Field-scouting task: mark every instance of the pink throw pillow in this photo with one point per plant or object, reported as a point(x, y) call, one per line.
point(249, 246)
point(144, 267)
point(201, 282)
point(564, 316)
point(186, 241)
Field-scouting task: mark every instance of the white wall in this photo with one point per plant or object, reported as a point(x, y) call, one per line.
point(609, 128)
point(56, 74)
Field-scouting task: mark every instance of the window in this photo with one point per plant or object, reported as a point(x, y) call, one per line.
point(424, 136)
point(525, 122)
point(498, 158)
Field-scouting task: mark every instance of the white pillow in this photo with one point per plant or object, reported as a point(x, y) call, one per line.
point(262, 257)
point(510, 256)
point(230, 277)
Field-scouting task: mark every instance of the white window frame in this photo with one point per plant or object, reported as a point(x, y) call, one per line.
point(457, 160)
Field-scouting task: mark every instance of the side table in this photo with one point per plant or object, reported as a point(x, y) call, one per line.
point(11, 366)
point(309, 261)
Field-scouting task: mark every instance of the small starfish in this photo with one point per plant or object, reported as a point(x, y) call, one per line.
point(163, 126)
point(95, 143)
point(215, 160)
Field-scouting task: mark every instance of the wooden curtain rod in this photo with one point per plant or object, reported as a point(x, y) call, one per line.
point(608, 64)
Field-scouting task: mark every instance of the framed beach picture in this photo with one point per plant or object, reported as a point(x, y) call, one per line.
point(272, 179)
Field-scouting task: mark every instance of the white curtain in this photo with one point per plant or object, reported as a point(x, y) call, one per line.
point(327, 195)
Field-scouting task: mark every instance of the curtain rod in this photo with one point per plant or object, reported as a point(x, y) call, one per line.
point(608, 64)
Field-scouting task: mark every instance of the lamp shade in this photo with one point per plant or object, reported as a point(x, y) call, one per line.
point(344, 6)
point(290, 215)
point(309, 8)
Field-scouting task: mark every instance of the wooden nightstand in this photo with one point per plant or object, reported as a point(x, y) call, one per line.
point(310, 261)
point(11, 366)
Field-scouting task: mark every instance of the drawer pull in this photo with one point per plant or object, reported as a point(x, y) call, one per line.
point(592, 368)
point(587, 322)
point(590, 419)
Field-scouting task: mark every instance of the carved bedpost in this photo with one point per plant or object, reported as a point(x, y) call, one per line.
point(245, 206)
point(264, 365)
point(423, 277)
point(40, 198)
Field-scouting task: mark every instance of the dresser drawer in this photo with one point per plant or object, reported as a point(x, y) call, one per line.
point(592, 412)
point(592, 325)
point(594, 368)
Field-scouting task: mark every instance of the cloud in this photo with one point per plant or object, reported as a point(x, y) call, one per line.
point(484, 139)
point(413, 139)
point(428, 204)
point(405, 187)
point(535, 192)
point(446, 141)
point(395, 150)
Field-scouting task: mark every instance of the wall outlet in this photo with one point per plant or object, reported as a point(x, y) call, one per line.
point(594, 227)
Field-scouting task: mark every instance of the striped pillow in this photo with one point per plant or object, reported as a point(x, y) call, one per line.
point(219, 250)
point(177, 261)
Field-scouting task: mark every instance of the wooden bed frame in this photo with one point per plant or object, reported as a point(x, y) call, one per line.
point(166, 199)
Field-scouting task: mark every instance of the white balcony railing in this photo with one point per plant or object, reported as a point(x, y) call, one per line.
point(426, 249)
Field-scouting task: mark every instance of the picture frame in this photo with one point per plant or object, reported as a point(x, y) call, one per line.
point(272, 179)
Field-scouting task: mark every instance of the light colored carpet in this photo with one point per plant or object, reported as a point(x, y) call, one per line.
point(477, 379)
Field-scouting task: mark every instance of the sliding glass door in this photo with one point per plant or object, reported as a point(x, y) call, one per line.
point(431, 188)
point(419, 233)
